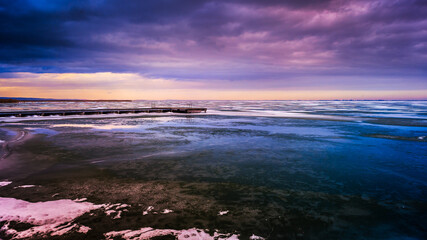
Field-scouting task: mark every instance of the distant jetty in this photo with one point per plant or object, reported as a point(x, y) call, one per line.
point(101, 111)
point(9, 100)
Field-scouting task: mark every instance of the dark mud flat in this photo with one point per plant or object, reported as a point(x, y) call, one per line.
point(252, 210)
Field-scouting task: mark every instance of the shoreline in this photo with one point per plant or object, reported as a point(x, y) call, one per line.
point(14, 100)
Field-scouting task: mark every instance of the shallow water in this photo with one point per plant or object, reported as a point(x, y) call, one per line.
point(283, 169)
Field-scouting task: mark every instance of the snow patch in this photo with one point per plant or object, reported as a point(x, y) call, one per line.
point(116, 209)
point(25, 186)
point(255, 237)
point(51, 218)
point(80, 199)
point(5, 183)
point(7, 230)
point(149, 209)
point(166, 211)
point(220, 213)
point(188, 234)
point(84, 229)
point(119, 215)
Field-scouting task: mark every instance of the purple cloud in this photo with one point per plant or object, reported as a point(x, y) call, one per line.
point(324, 44)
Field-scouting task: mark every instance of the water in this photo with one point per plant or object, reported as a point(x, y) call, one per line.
point(283, 169)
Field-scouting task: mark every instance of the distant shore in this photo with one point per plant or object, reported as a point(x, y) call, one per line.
point(11, 100)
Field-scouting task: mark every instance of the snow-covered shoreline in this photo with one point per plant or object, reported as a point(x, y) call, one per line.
point(49, 218)
point(57, 217)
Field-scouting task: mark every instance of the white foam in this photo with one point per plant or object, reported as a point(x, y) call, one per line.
point(5, 183)
point(187, 234)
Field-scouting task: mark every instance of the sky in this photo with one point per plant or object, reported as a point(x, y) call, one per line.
point(197, 49)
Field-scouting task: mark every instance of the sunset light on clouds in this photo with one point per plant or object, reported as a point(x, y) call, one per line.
point(213, 119)
point(214, 49)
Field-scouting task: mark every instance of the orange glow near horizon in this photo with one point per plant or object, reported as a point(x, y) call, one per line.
point(130, 86)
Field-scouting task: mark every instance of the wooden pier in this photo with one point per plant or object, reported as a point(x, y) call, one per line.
point(100, 111)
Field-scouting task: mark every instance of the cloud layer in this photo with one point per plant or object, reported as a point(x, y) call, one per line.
point(324, 45)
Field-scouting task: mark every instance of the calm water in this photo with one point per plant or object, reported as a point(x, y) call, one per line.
point(283, 169)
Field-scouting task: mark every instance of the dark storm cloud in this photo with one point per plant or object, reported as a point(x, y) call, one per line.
point(209, 40)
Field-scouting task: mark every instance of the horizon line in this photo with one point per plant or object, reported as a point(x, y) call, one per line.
point(123, 100)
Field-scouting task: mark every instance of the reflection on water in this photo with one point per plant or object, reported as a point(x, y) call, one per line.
point(283, 169)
